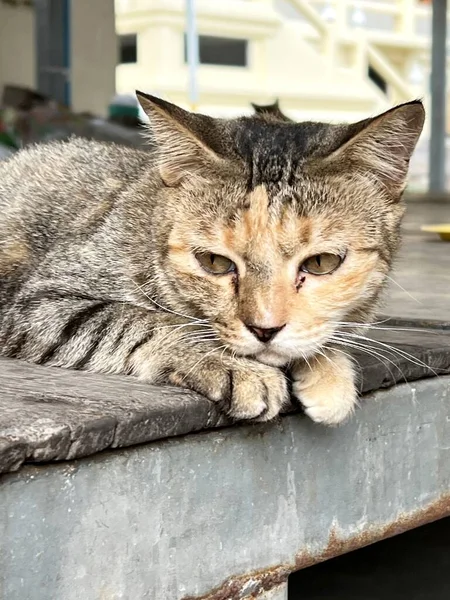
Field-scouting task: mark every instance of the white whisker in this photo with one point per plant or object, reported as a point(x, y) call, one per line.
point(164, 308)
point(201, 360)
point(181, 325)
point(403, 289)
point(371, 352)
point(410, 357)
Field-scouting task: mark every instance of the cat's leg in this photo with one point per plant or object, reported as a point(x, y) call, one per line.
point(64, 330)
point(326, 387)
point(244, 388)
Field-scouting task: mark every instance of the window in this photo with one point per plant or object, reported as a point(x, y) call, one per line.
point(127, 49)
point(377, 79)
point(226, 52)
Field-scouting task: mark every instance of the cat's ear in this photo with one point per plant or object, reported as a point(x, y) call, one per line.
point(382, 146)
point(266, 108)
point(271, 110)
point(181, 138)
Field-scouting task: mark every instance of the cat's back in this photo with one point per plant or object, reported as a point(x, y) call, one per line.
point(71, 172)
point(45, 188)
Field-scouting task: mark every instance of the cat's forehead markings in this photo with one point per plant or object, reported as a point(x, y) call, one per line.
point(256, 217)
point(251, 221)
point(263, 230)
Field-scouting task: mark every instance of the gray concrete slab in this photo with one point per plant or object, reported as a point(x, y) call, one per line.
point(226, 515)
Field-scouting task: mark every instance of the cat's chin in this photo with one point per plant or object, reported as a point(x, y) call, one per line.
point(272, 359)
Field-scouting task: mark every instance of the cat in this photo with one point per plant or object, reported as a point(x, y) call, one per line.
point(230, 260)
point(273, 110)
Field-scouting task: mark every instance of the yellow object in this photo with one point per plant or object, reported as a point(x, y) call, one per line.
point(442, 230)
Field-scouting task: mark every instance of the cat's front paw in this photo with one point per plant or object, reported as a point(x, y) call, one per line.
point(257, 391)
point(326, 388)
point(244, 388)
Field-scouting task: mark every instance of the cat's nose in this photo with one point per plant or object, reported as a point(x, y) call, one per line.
point(264, 334)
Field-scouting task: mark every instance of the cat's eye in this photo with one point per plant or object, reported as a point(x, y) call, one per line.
point(321, 264)
point(215, 263)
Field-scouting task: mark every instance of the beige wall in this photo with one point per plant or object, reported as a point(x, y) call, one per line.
point(93, 54)
point(17, 59)
point(281, 62)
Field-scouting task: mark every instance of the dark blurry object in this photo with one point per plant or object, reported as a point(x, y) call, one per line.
point(8, 140)
point(35, 118)
point(271, 109)
point(22, 98)
point(19, 2)
point(8, 137)
point(222, 51)
point(127, 49)
point(129, 121)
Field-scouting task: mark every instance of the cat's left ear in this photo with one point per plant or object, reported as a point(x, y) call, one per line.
point(382, 146)
point(182, 139)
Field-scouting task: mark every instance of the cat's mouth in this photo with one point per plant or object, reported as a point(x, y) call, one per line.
point(286, 346)
point(271, 358)
point(265, 354)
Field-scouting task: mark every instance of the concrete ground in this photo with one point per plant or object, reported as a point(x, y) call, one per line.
point(412, 566)
point(420, 286)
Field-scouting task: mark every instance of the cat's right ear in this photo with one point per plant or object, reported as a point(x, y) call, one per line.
point(382, 146)
point(182, 139)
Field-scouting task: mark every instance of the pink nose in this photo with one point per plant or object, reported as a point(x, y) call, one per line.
point(263, 334)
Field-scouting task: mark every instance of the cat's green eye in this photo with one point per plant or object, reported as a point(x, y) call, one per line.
point(215, 263)
point(321, 264)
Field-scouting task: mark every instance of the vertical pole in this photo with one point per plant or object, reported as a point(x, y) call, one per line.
point(192, 51)
point(437, 181)
point(66, 25)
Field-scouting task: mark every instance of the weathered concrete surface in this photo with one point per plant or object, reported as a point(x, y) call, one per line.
point(235, 509)
point(49, 414)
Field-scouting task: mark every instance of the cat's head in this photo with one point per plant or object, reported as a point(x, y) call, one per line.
point(278, 232)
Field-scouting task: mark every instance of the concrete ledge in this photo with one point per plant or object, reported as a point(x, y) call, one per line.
point(227, 514)
point(54, 414)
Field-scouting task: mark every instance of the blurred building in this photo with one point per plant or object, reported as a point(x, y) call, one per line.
point(66, 49)
point(334, 60)
point(323, 59)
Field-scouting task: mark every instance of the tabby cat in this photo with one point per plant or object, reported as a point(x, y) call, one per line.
point(228, 260)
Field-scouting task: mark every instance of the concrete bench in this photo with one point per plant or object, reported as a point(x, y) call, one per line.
point(114, 489)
